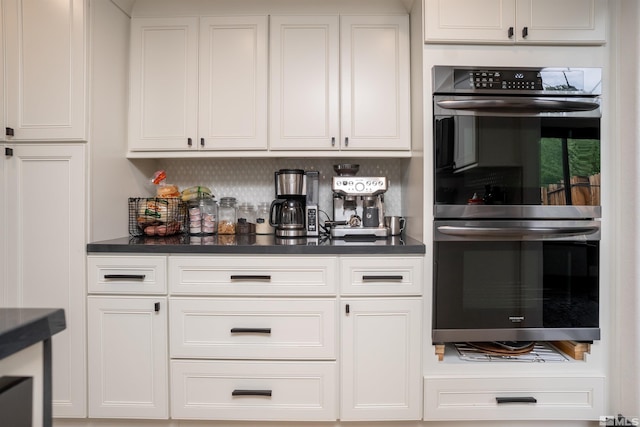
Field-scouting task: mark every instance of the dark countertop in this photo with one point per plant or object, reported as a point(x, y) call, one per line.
point(23, 327)
point(256, 245)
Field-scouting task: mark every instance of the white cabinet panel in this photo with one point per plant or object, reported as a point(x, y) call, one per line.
point(561, 22)
point(128, 361)
point(233, 83)
point(263, 391)
point(381, 359)
point(198, 84)
point(248, 275)
point(375, 91)
point(527, 398)
point(249, 328)
point(340, 83)
point(127, 274)
point(45, 256)
point(164, 83)
point(304, 84)
point(516, 21)
point(45, 57)
point(381, 276)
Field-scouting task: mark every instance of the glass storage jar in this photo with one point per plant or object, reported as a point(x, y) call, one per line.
point(227, 216)
point(262, 218)
point(246, 219)
point(203, 215)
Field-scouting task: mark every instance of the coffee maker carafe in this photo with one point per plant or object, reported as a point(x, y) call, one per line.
point(287, 213)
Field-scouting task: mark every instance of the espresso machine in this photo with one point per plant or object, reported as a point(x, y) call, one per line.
point(358, 205)
point(294, 212)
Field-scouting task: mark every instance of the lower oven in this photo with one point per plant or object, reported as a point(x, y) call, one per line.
point(516, 280)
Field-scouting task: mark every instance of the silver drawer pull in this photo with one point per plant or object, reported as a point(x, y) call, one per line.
point(125, 276)
point(250, 278)
point(524, 399)
point(250, 330)
point(382, 278)
point(266, 393)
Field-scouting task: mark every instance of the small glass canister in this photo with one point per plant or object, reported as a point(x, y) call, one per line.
point(203, 215)
point(209, 209)
point(262, 218)
point(246, 219)
point(227, 216)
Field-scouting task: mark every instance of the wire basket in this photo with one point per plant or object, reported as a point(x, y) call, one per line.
point(156, 216)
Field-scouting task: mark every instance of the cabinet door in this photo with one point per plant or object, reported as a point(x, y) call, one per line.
point(469, 21)
point(561, 22)
point(164, 84)
point(45, 69)
point(233, 83)
point(45, 254)
point(128, 360)
point(304, 86)
point(375, 105)
point(381, 353)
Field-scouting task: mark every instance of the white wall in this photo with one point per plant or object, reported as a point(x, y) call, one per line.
point(625, 122)
point(112, 178)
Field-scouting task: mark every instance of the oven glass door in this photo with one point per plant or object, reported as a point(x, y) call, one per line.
point(495, 159)
point(517, 287)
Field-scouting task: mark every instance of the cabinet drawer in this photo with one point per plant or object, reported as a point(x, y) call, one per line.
point(253, 275)
point(514, 398)
point(253, 328)
point(265, 391)
point(127, 274)
point(381, 276)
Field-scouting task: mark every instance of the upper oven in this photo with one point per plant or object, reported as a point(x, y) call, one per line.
point(517, 143)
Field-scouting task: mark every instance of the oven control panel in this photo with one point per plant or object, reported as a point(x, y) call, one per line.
point(505, 80)
point(569, 81)
point(359, 185)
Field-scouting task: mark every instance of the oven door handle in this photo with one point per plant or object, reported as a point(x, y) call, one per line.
point(519, 105)
point(538, 232)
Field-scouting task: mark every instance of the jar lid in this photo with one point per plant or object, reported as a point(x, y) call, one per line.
point(245, 205)
point(228, 201)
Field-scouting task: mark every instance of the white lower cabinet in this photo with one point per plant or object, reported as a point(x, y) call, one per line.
point(381, 359)
point(254, 390)
point(128, 361)
point(514, 398)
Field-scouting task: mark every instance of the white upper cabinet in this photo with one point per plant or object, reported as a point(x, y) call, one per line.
point(516, 21)
point(375, 91)
point(44, 64)
point(339, 83)
point(198, 84)
point(304, 85)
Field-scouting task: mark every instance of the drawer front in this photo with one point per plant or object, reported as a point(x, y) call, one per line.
point(253, 275)
point(127, 274)
point(514, 398)
point(252, 390)
point(381, 276)
point(253, 328)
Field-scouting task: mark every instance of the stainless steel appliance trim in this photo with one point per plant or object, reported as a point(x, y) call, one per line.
point(520, 106)
point(515, 334)
point(501, 230)
point(517, 211)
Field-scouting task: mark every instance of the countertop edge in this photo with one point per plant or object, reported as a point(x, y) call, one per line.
point(23, 327)
point(124, 245)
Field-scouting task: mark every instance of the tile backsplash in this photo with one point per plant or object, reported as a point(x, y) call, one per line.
point(252, 180)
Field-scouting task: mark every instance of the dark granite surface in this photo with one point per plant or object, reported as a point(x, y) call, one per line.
point(256, 245)
point(23, 327)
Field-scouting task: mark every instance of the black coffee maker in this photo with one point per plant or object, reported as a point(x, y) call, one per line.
point(287, 214)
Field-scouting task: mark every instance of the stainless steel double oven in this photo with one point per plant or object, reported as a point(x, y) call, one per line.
point(517, 204)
